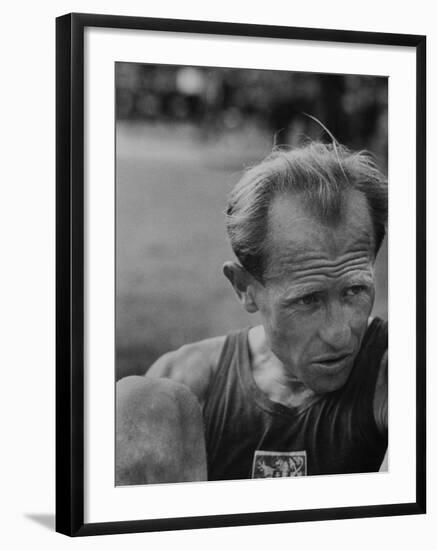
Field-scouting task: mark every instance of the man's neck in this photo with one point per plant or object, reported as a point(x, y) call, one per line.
point(270, 375)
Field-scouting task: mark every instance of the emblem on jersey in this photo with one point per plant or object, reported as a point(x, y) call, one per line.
point(274, 464)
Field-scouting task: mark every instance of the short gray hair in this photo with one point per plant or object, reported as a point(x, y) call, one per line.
point(320, 173)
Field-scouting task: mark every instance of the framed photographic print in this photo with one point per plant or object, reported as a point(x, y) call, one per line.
point(240, 238)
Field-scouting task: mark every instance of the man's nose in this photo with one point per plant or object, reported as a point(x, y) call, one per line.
point(336, 331)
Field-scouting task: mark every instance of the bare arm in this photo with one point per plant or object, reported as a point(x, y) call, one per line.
point(159, 424)
point(159, 433)
point(192, 365)
point(380, 403)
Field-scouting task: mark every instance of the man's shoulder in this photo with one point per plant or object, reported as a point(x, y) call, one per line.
point(193, 364)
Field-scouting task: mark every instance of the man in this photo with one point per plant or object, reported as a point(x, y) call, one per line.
point(307, 387)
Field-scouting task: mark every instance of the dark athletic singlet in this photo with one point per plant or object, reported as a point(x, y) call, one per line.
point(247, 435)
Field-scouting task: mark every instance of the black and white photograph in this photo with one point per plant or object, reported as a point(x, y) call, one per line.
point(218, 275)
point(251, 274)
point(241, 230)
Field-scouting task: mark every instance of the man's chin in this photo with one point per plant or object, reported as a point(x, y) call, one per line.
point(326, 382)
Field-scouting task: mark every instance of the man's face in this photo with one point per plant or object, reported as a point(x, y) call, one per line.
point(319, 290)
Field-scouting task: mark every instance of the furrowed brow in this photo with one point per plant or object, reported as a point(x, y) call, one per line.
point(303, 290)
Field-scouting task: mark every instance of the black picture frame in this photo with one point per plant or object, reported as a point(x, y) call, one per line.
point(70, 272)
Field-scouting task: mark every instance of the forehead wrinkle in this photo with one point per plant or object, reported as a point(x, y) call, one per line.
point(331, 269)
point(313, 261)
point(323, 270)
point(295, 236)
point(320, 240)
point(324, 259)
point(348, 270)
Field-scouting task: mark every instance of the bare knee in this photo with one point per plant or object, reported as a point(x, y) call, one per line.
point(137, 392)
point(159, 431)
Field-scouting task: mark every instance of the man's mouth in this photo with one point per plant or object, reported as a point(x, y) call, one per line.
point(333, 362)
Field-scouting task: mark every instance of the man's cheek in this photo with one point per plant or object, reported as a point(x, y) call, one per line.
point(287, 342)
point(366, 301)
point(361, 311)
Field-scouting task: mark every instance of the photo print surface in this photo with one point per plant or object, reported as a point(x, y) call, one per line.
point(251, 274)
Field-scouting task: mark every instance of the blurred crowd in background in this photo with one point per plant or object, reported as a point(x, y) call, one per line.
point(218, 100)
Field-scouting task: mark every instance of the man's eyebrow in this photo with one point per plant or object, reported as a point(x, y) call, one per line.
point(360, 277)
point(302, 290)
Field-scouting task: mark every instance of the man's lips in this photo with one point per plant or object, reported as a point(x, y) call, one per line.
point(331, 358)
point(332, 363)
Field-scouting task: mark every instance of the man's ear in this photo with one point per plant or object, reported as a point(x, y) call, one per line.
point(243, 284)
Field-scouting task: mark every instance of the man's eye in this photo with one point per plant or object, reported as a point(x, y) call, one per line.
point(309, 299)
point(355, 290)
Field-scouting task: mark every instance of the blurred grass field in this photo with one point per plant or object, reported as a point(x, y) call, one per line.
point(171, 187)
